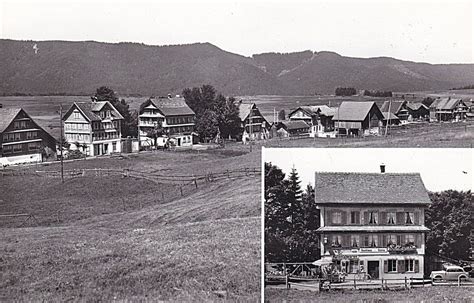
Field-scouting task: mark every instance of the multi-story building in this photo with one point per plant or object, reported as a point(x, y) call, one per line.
point(373, 222)
point(93, 127)
point(318, 117)
point(166, 120)
point(22, 140)
point(448, 109)
point(253, 124)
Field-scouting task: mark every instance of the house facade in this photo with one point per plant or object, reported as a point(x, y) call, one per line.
point(373, 222)
point(358, 119)
point(166, 121)
point(94, 128)
point(418, 111)
point(318, 117)
point(296, 128)
point(22, 140)
point(254, 126)
point(448, 109)
point(396, 107)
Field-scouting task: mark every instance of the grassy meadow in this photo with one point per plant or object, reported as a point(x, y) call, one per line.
point(116, 239)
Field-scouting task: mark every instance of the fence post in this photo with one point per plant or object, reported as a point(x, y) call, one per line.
point(286, 282)
point(382, 284)
point(411, 282)
point(181, 190)
point(355, 284)
point(459, 281)
point(162, 196)
point(195, 183)
point(406, 283)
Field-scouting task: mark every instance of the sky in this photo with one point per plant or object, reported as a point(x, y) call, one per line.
point(434, 31)
point(440, 168)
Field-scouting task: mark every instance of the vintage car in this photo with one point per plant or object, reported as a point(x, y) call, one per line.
point(449, 272)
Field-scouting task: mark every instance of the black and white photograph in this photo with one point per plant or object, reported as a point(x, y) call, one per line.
point(135, 138)
point(347, 225)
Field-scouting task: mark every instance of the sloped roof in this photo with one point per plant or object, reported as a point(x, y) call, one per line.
point(387, 115)
point(295, 124)
point(89, 109)
point(445, 103)
point(314, 109)
point(376, 188)
point(395, 106)
point(174, 106)
point(416, 105)
point(7, 115)
point(244, 110)
point(353, 111)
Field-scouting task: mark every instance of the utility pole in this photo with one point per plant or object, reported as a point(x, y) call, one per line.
point(61, 141)
point(388, 120)
point(250, 127)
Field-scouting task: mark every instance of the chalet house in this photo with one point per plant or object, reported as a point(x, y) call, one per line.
point(93, 127)
point(358, 118)
point(318, 117)
point(448, 109)
point(253, 124)
point(397, 107)
point(291, 129)
point(22, 140)
point(390, 118)
point(373, 222)
point(417, 111)
point(171, 117)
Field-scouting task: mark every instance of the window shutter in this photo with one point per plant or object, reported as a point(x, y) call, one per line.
point(404, 241)
point(400, 218)
point(417, 266)
point(366, 217)
point(385, 266)
point(384, 240)
point(344, 217)
point(357, 215)
point(329, 217)
point(417, 218)
point(400, 266)
point(399, 240)
point(346, 240)
point(418, 240)
point(383, 218)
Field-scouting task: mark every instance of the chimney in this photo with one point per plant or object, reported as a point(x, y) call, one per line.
point(382, 168)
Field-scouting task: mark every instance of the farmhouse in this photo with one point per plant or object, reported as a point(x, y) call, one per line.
point(448, 109)
point(168, 120)
point(93, 128)
point(390, 118)
point(254, 126)
point(318, 117)
point(358, 118)
point(291, 128)
point(397, 107)
point(417, 111)
point(373, 222)
point(22, 140)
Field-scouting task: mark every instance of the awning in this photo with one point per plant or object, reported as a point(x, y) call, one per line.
point(323, 261)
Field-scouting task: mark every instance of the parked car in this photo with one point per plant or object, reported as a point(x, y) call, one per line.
point(449, 273)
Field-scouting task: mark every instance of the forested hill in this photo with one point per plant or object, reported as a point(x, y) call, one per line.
point(57, 67)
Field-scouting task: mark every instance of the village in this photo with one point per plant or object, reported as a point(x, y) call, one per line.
point(93, 128)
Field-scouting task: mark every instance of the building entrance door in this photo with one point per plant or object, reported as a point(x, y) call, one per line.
point(373, 269)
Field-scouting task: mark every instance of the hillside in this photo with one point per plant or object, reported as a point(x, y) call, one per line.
point(132, 68)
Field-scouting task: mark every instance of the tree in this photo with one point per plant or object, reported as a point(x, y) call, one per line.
point(155, 133)
point(224, 113)
point(345, 91)
point(129, 125)
point(450, 221)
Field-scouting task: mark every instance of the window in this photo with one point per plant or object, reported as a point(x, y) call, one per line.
point(17, 136)
point(409, 218)
point(336, 241)
point(410, 265)
point(391, 240)
point(33, 146)
point(410, 239)
point(353, 266)
point(354, 241)
point(355, 217)
point(76, 115)
point(373, 240)
point(392, 265)
point(391, 219)
point(7, 149)
point(16, 124)
point(114, 146)
point(17, 148)
point(373, 217)
point(337, 217)
point(30, 135)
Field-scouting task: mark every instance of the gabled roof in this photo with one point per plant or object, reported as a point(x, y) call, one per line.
point(7, 115)
point(244, 110)
point(395, 106)
point(316, 109)
point(90, 110)
point(353, 111)
point(416, 105)
point(295, 124)
point(387, 115)
point(445, 103)
point(370, 188)
point(175, 106)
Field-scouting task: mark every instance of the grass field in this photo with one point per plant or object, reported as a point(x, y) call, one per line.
point(416, 295)
point(117, 240)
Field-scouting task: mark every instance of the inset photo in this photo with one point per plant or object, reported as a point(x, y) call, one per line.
point(338, 222)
